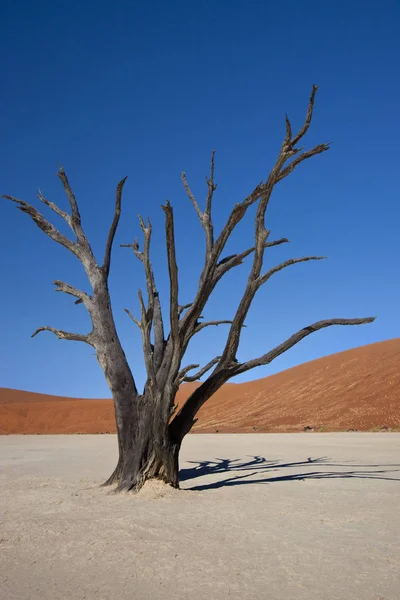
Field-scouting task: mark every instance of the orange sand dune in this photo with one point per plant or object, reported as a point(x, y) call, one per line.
point(357, 389)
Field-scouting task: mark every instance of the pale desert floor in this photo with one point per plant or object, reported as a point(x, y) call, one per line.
point(274, 516)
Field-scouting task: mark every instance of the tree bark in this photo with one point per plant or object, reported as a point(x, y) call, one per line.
point(147, 449)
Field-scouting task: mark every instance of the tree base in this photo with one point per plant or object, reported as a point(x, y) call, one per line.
point(135, 469)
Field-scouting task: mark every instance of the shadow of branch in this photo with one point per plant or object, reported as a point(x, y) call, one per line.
point(243, 472)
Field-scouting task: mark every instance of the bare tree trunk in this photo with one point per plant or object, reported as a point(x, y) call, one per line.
point(146, 448)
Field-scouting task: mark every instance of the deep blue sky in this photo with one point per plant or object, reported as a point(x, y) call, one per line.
point(147, 89)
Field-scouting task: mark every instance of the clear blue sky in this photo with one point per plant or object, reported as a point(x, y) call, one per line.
point(147, 89)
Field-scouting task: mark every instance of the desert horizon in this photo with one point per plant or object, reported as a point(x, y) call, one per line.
point(357, 389)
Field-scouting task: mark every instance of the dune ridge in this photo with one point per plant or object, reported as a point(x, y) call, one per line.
point(357, 389)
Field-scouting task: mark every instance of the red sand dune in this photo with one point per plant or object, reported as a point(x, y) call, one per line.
point(357, 389)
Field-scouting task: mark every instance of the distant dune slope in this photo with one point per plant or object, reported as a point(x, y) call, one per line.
point(357, 389)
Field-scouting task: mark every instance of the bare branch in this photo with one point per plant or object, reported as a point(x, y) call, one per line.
point(144, 257)
point(113, 228)
point(276, 243)
point(72, 291)
point(45, 225)
point(205, 218)
point(182, 373)
point(292, 261)
point(288, 131)
point(295, 339)
point(61, 213)
point(254, 283)
point(154, 306)
point(76, 217)
point(303, 156)
point(181, 309)
point(232, 343)
point(81, 248)
point(145, 326)
point(86, 255)
point(130, 315)
point(135, 248)
point(237, 214)
point(202, 371)
point(191, 197)
point(308, 119)
point(65, 335)
point(201, 326)
point(211, 186)
point(142, 308)
point(237, 259)
point(173, 272)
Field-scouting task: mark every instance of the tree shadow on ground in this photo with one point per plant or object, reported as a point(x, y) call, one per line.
point(242, 472)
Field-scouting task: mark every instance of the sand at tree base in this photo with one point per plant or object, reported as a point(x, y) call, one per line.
point(280, 517)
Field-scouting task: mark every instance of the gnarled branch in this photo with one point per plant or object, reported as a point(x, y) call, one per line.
point(184, 307)
point(234, 260)
point(292, 261)
point(45, 225)
point(267, 358)
point(205, 324)
point(130, 315)
point(80, 248)
point(75, 214)
point(288, 130)
point(185, 370)
point(61, 213)
point(203, 371)
point(303, 130)
point(192, 198)
point(204, 217)
point(66, 335)
point(86, 255)
point(303, 156)
point(61, 286)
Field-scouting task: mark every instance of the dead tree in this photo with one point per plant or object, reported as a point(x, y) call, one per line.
point(150, 429)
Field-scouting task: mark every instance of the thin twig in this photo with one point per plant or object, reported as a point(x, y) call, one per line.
point(203, 371)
